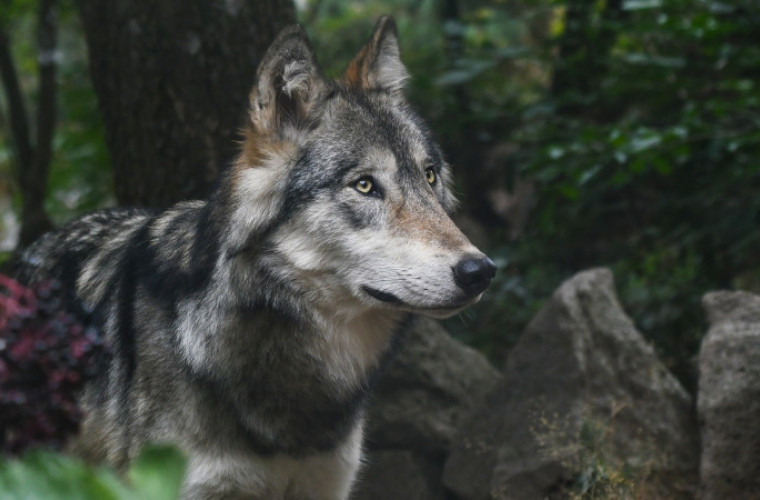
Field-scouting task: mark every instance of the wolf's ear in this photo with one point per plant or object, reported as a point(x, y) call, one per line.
point(378, 65)
point(288, 83)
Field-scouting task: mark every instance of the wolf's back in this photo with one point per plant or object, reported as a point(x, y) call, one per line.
point(95, 242)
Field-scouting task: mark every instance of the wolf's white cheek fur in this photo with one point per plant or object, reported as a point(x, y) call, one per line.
point(258, 193)
point(300, 250)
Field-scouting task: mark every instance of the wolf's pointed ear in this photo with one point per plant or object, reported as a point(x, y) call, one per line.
point(288, 83)
point(378, 65)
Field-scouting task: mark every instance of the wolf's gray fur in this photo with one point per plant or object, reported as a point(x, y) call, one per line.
point(248, 328)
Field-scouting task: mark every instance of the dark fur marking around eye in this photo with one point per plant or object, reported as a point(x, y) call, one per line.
point(351, 215)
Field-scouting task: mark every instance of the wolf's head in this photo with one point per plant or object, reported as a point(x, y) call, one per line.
point(345, 186)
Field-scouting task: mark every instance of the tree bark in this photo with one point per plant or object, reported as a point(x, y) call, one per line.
point(172, 79)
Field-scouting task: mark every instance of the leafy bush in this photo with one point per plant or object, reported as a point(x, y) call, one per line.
point(646, 159)
point(156, 474)
point(46, 356)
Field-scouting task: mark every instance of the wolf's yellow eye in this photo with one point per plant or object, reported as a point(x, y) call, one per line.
point(364, 185)
point(430, 173)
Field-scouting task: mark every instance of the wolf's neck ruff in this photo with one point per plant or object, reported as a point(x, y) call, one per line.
point(248, 328)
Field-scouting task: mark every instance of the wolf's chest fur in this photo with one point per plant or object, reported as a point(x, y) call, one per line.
point(248, 328)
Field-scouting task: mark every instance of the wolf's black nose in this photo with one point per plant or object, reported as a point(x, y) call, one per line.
point(474, 275)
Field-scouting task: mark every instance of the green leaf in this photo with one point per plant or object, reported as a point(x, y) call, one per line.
point(662, 61)
point(513, 52)
point(662, 166)
point(641, 143)
point(568, 191)
point(468, 69)
point(641, 4)
point(49, 476)
point(157, 473)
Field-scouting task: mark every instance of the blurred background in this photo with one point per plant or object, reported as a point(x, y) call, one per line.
point(622, 133)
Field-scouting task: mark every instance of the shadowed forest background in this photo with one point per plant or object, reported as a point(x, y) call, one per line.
point(583, 133)
point(623, 133)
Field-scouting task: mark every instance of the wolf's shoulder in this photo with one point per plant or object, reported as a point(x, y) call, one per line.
point(60, 254)
point(104, 234)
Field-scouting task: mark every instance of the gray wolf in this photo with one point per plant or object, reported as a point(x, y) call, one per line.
point(248, 328)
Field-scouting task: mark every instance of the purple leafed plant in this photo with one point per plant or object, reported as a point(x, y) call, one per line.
point(46, 356)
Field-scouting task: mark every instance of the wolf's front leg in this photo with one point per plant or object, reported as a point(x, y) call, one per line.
point(227, 476)
point(326, 475)
point(330, 475)
point(290, 480)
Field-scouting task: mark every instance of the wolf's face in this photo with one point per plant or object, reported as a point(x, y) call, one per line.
point(355, 191)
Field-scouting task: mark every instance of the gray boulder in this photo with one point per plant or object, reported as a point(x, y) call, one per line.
point(417, 406)
point(729, 397)
point(427, 387)
point(583, 397)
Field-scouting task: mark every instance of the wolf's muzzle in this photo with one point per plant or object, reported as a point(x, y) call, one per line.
point(473, 275)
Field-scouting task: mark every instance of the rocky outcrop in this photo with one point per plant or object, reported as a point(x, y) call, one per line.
point(583, 397)
point(431, 382)
point(416, 409)
point(729, 397)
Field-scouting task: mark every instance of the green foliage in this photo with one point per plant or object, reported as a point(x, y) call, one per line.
point(80, 179)
point(636, 120)
point(157, 474)
point(656, 173)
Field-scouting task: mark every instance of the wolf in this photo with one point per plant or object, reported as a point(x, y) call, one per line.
point(248, 328)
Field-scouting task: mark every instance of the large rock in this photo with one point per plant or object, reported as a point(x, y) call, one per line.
point(729, 397)
point(425, 390)
point(419, 402)
point(583, 397)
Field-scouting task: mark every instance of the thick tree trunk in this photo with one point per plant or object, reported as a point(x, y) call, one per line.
point(172, 79)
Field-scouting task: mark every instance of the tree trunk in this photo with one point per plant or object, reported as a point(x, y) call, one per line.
point(32, 159)
point(172, 79)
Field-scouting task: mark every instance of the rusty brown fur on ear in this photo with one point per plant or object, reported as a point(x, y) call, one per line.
point(356, 73)
point(366, 69)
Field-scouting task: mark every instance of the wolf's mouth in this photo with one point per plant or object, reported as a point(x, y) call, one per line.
point(381, 296)
point(442, 310)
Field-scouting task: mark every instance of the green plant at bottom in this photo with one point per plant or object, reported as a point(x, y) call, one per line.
point(42, 475)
